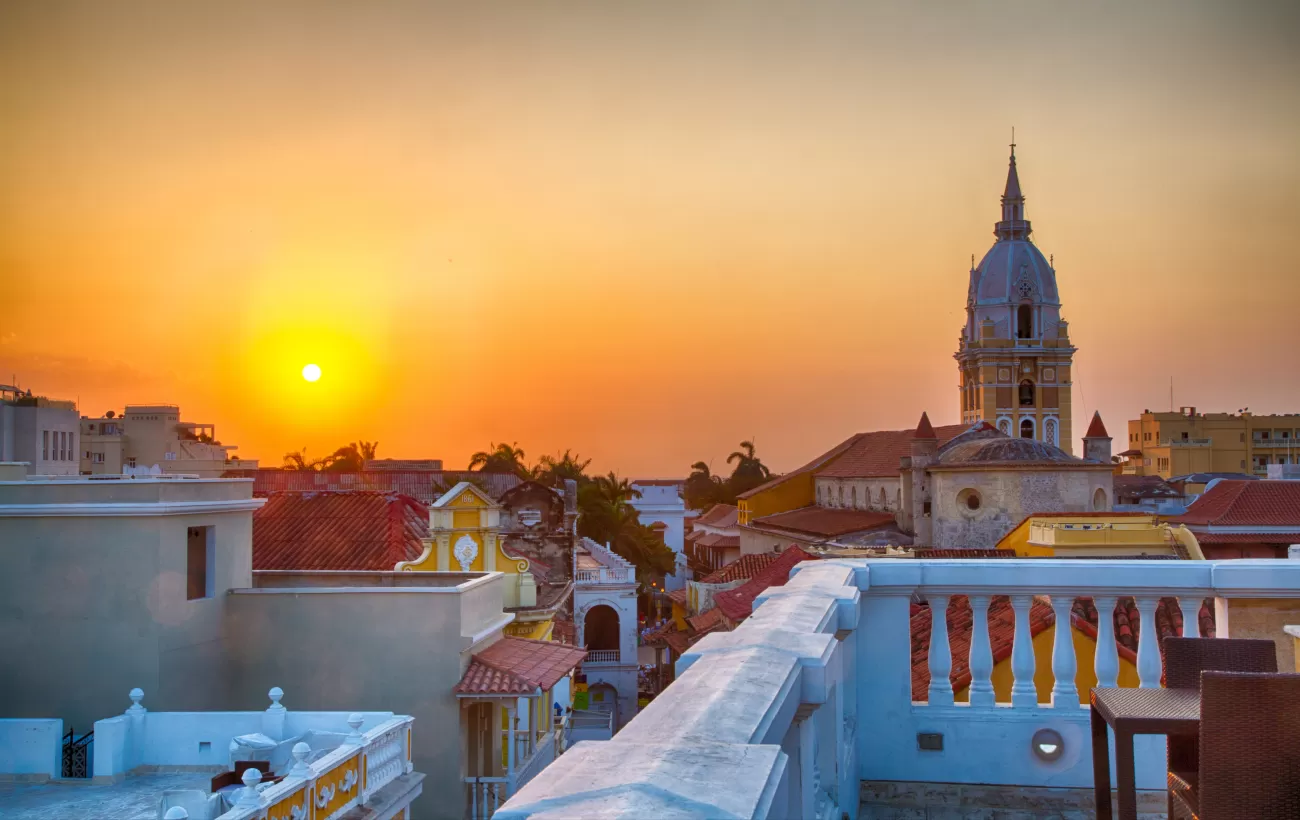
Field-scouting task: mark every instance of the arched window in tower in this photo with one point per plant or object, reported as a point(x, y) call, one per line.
point(883, 503)
point(1026, 393)
point(1027, 428)
point(841, 493)
point(853, 496)
point(1025, 322)
point(1049, 432)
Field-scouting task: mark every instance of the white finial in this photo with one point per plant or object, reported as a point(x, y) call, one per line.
point(176, 813)
point(136, 695)
point(300, 767)
point(355, 720)
point(249, 796)
point(275, 694)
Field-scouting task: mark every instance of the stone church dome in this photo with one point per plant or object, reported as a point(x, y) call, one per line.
point(985, 445)
point(1014, 272)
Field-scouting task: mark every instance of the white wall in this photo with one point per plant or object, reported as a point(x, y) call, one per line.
point(31, 747)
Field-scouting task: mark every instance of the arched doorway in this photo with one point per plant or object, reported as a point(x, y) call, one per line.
point(1027, 428)
point(600, 629)
point(1099, 500)
point(1025, 322)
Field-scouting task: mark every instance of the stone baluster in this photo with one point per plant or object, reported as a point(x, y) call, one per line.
point(1065, 692)
point(940, 653)
point(135, 741)
point(249, 797)
point(274, 717)
point(1106, 663)
point(1191, 609)
point(981, 654)
point(1023, 692)
point(300, 766)
point(1148, 654)
point(354, 722)
point(176, 813)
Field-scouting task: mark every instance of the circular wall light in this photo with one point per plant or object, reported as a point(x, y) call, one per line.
point(1047, 744)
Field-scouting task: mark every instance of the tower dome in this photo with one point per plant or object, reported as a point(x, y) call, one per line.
point(1014, 354)
point(1013, 273)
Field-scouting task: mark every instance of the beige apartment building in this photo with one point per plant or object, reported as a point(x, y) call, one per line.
point(153, 434)
point(1184, 442)
point(40, 431)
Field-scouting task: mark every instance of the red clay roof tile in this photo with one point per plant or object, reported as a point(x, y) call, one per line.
point(738, 603)
point(742, 569)
point(338, 531)
point(719, 516)
point(825, 521)
point(876, 455)
point(1235, 503)
point(518, 666)
point(1096, 429)
point(923, 428)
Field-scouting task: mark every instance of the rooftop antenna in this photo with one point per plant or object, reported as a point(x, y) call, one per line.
point(1013, 142)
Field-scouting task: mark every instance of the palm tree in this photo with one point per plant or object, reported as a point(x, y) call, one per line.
point(616, 490)
point(749, 471)
point(703, 489)
point(352, 458)
point(298, 460)
point(501, 458)
point(553, 471)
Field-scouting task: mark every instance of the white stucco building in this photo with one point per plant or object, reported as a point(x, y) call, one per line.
point(661, 502)
point(604, 615)
point(42, 432)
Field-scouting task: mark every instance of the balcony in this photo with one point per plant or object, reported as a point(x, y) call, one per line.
point(807, 708)
point(1280, 443)
point(303, 764)
point(605, 575)
point(601, 656)
point(1187, 442)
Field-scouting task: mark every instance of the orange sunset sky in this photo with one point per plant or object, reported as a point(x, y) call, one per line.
point(642, 230)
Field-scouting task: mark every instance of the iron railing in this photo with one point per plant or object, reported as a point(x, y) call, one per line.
point(76, 753)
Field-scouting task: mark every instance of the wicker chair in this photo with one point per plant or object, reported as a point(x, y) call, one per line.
point(1249, 765)
point(1185, 660)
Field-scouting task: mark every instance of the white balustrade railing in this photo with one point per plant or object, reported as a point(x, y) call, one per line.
point(543, 753)
point(602, 656)
point(345, 778)
point(818, 686)
point(485, 795)
point(605, 575)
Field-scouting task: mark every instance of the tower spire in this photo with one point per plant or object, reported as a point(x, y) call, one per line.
point(1013, 224)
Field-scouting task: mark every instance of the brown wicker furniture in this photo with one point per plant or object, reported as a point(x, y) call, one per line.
point(1249, 766)
point(1186, 659)
point(1134, 712)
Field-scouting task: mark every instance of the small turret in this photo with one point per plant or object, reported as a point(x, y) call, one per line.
point(1096, 442)
point(924, 445)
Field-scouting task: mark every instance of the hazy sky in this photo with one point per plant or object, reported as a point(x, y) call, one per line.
point(642, 230)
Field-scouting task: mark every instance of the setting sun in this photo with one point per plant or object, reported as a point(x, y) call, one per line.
point(311, 372)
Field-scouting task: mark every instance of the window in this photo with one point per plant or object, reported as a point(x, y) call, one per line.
point(130, 461)
point(45, 445)
point(925, 508)
point(853, 495)
point(1026, 393)
point(1099, 501)
point(1027, 428)
point(969, 499)
point(169, 456)
point(1025, 322)
point(199, 563)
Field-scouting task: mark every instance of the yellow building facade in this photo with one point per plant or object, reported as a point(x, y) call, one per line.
point(1184, 442)
point(1097, 535)
point(465, 536)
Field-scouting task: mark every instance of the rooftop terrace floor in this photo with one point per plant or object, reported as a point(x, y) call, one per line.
point(135, 798)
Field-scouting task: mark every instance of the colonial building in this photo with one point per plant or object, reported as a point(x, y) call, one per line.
point(1186, 442)
point(1015, 355)
point(40, 431)
point(153, 434)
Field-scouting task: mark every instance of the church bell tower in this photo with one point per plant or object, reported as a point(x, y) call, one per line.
point(1014, 358)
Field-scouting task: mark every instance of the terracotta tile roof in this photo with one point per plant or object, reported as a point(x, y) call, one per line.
point(876, 455)
point(1246, 504)
point(1144, 486)
point(809, 467)
point(923, 428)
point(678, 596)
point(825, 521)
point(716, 540)
point(366, 531)
point(678, 642)
point(738, 603)
point(1096, 429)
point(706, 621)
point(937, 553)
point(1249, 537)
point(1001, 619)
point(564, 631)
point(518, 666)
point(742, 569)
point(720, 516)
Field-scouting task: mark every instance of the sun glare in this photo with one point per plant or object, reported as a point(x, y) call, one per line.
point(311, 372)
